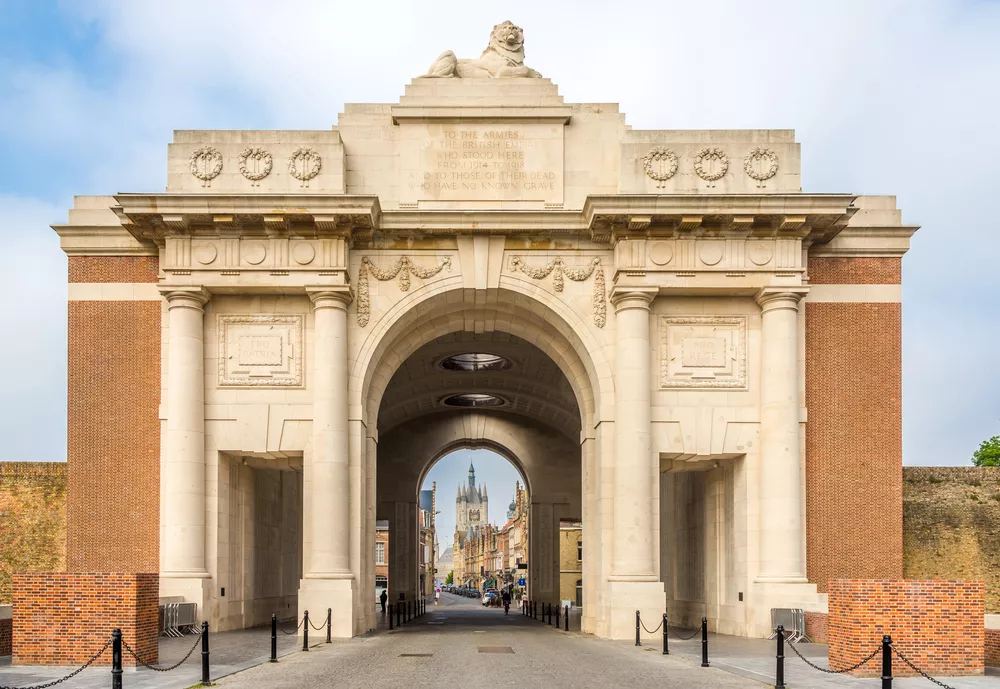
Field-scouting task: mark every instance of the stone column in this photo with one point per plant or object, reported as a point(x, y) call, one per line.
point(633, 520)
point(329, 582)
point(780, 508)
point(632, 584)
point(183, 465)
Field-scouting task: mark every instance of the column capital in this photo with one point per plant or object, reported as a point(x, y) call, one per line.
point(330, 296)
point(185, 296)
point(780, 297)
point(632, 297)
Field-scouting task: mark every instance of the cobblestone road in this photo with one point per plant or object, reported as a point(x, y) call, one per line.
point(460, 644)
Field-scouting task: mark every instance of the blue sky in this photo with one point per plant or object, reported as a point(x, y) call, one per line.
point(894, 96)
point(492, 470)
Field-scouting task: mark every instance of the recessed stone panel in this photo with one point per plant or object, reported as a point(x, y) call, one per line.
point(504, 161)
point(260, 351)
point(703, 352)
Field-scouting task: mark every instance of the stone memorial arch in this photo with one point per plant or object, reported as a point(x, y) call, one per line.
point(704, 359)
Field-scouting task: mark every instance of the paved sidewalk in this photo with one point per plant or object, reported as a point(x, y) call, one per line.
point(230, 652)
point(461, 644)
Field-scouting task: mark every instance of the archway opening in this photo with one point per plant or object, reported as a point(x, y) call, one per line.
point(464, 417)
point(471, 546)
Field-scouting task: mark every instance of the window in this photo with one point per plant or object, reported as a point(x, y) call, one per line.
point(579, 549)
point(579, 593)
point(475, 362)
point(474, 399)
point(379, 552)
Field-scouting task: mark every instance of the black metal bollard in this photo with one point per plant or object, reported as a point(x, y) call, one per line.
point(205, 678)
point(666, 649)
point(779, 669)
point(886, 662)
point(567, 618)
point(274, 638)
point(637, 629)
point(390, 617)
point(116, 659)
point(329, 624)
point(409, 610)
point(550, 613)
point(305, 632)
point(704, 642)
point(558, 610)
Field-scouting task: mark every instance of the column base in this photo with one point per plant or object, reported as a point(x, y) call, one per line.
point(316, 595)
point(192, 590)
point(624, 598)
point(766, 595)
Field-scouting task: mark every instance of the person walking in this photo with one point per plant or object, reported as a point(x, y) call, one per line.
point(437, 595)
point(382, 599)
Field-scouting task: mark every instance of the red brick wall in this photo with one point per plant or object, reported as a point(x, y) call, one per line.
point(816, 627)
point(114, 431)
point(856, 270)
point(63, 619)
point(113, 268)
point(5, 637)
point(938, 625)
point(991, 647)
point(854, 483)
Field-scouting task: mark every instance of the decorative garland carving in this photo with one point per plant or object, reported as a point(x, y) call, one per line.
point(309, 160)
point(206, 164)
point(760, 155)
point(403, 268)
point(711, 155)
point(660, 164)
point(558, 269)
point(262, 162)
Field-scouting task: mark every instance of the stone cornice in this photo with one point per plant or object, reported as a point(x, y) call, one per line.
point(819, 217)
point(153, 217)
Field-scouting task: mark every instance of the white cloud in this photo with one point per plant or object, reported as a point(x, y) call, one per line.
point(896, 96)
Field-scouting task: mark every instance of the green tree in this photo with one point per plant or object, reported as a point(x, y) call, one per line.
point(988, 454)
point(451, 578)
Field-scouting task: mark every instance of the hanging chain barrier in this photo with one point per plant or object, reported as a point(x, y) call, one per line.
point(294, 631)
point(643, 624)
point(91, 661)
point(918, 670)
point(831, 671)
point(685, 638)
point(131, 652)
point(321, 627)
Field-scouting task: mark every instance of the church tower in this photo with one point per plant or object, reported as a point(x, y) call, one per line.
point(471, 507)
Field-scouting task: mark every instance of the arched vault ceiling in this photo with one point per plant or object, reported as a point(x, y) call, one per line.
point(534, 386)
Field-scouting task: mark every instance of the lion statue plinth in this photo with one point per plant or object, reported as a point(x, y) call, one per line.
point(503, 57)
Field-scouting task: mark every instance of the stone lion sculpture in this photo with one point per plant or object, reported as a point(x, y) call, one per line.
point(503, 57)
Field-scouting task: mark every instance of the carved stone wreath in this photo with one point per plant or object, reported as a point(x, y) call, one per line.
point(660, 164)
point(309, 160)
point(760, 155)
point(711, 155)
point(263, 164)
point(206, 164)
point(403, 268)
point(558, 269)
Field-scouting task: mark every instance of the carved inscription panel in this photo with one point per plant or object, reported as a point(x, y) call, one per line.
point(703, 352)
point(482, 162)
point(260, 351)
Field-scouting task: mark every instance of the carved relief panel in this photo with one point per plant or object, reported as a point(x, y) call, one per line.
point(260, 351)
point(703, 352)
